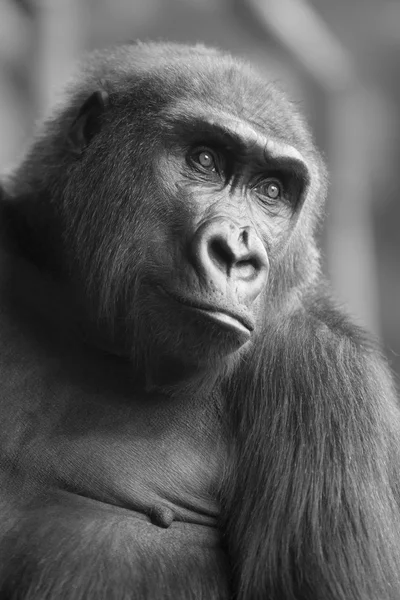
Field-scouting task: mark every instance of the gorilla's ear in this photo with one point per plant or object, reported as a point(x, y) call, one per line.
point(87, 123)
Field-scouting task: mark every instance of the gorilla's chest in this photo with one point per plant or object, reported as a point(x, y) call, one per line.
point(142, 458)
point(144, 454)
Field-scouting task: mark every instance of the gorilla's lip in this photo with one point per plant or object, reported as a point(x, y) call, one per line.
point(219, 312)
point(226, 319)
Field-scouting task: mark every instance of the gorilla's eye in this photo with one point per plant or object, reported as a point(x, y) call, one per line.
point(271, 189)
point(205, 159)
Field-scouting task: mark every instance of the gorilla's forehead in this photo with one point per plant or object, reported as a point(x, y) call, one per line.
point(171, 73)
point(240, 95)
point(238, 91)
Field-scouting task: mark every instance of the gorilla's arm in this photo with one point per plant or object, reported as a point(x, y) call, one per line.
point(326, 475)
point(68, 547)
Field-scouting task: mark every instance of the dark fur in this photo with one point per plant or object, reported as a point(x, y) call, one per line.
point(302, 422)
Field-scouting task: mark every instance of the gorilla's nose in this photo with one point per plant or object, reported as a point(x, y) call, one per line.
point(230, 256)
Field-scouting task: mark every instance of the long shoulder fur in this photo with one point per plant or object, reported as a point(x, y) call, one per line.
point(316, 430)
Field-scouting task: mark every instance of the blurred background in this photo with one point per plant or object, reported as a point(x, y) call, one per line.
point(339, 59)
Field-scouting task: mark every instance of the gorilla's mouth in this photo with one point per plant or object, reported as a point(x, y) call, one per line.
point(243, 324)
point(225, 318)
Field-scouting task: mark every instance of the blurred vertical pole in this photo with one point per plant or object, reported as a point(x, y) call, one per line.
point(60, 27)
point(352, 261)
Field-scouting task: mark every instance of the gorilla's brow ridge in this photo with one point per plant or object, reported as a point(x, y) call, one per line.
point(238, 136)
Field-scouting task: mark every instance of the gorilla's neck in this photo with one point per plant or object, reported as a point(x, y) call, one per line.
point(172, 377)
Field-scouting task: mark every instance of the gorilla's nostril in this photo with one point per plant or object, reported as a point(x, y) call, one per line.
point(245, 236)
point(221, 253)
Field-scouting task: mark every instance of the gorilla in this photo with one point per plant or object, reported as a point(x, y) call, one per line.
point(185, 413)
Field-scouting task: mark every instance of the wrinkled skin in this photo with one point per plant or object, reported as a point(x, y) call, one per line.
point(185, 413)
